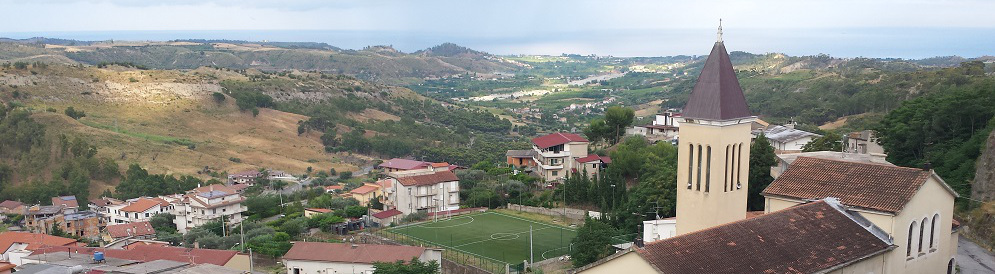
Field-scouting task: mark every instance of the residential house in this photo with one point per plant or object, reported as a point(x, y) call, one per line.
point(130, 231)
point(863, 142)
point(665, 126)
point(101, 204)
point(66, 262)
point(913, 206)
point(247, 177)
point(521, 158)
point(556, 154)
point(17, 245)
point(398, 164)
point(818, 237)
point(327, 258)
point(387, 217)
point(68, 203)
point(422, 191)
point(364, 193)
point(310, 212)
point(788, 139)
point(35, 216)
point(592, 164)
point(11, 207)
point(81, 224)
point(205, 204)
point(136, 210)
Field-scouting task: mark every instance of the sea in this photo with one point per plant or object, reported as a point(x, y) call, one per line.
point(906, 43)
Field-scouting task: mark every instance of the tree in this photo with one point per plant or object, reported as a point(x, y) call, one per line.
point(617, 119)
point(163, 222)
point(75, 114)
point(414, 266)
point(830, 142)
point(592, 243)
point(218, 97)
point(762, 157)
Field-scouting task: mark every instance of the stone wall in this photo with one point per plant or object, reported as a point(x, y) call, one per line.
point(569, 213)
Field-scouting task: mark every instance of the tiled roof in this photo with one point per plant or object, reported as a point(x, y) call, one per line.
point(132, 229)
point(558, 138)
point(148, 253)
point(386, 214)
point(8, 204)
point(247, 174)
point(442, 164)
point(428, 179)
point(870, 186)
point(594, 157)
point(364, 189)
point(351, 253)
point(223, 189)
point(34, 240)
point(717, 94)
point(808, 238)
point(523, 153)
point(65, 201)
point(143, 204)
point(404, 164)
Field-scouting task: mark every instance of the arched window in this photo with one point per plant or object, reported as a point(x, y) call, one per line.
point(932, 233)
point(908, 248)
point(739, 183)
point(725, 172)
point(698, 178)
point(708, 169)
point(690, 164)
point(950, 266)
point(922, 232)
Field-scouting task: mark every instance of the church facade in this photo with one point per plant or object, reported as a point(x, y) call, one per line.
point(821, 216)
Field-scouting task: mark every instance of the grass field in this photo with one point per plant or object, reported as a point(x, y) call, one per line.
point(495, 236)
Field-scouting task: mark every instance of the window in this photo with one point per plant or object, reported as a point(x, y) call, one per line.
point(725, 172)
point(739, 165)
point(908, 247)
point(708, 169)
point(690, 164)
point(922, 232)
point(698, 180)
point(555, 173)
point(932, 233)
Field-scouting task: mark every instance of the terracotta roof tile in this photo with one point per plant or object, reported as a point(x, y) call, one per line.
point(717, 94)
point(870, 186)
point(404, 164)
point(148, 253)
point(428, 179)
point(132, 229)
point(593, 157)
point(803, 239)
point(65, 201)
point(386, 214)
point(34, 240)
point(143, 204)
point(358, 253)
point(558, 138)
point(364, 189)
point(8, 204)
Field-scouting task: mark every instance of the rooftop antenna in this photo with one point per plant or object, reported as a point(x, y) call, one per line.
point(720, 31)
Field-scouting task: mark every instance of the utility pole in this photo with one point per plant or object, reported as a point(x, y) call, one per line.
point(250, 261)
point(531, 257)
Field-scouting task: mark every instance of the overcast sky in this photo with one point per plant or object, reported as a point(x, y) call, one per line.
point(482, 21)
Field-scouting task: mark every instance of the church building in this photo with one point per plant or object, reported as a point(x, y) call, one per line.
point(821, 216)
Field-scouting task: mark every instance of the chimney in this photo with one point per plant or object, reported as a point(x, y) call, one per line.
point(639, 242)
point(927, 166)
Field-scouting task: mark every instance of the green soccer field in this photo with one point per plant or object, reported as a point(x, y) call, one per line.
point(495, 236)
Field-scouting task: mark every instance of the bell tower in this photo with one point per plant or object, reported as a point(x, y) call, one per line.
point(714, 147)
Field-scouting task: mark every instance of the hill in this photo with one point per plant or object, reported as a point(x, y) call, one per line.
point(376, 63)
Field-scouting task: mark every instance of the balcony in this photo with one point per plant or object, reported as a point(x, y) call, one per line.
point(550, 167)
point(550, 154)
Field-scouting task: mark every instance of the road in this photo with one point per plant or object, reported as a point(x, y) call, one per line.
point(971, 258)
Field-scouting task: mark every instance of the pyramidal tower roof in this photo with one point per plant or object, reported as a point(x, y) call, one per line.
point(717, 94)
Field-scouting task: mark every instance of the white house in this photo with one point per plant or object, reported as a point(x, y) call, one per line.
point(784, 138)
point(329, 258)
point(421, 191)
point(136, 210)
point(205, 204)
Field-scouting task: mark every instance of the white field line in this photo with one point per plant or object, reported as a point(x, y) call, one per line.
point(531, 221)
point(464, 251)
point(505, 233)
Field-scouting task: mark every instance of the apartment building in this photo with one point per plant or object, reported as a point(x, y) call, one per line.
point(136, 210)
point(205, 204)
point(556, 155)
point(421, 191)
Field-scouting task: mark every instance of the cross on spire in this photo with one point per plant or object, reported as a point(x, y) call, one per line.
point(719, 40)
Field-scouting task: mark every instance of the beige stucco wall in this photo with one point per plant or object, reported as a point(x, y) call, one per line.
point(629, 263)
point(239, 261)
point(313, 267)
point(698, 209)
point(931, 199)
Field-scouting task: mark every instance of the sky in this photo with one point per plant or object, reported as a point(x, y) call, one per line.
point(847, 28)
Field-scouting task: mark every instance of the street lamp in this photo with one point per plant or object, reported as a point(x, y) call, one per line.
point(613, 196)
